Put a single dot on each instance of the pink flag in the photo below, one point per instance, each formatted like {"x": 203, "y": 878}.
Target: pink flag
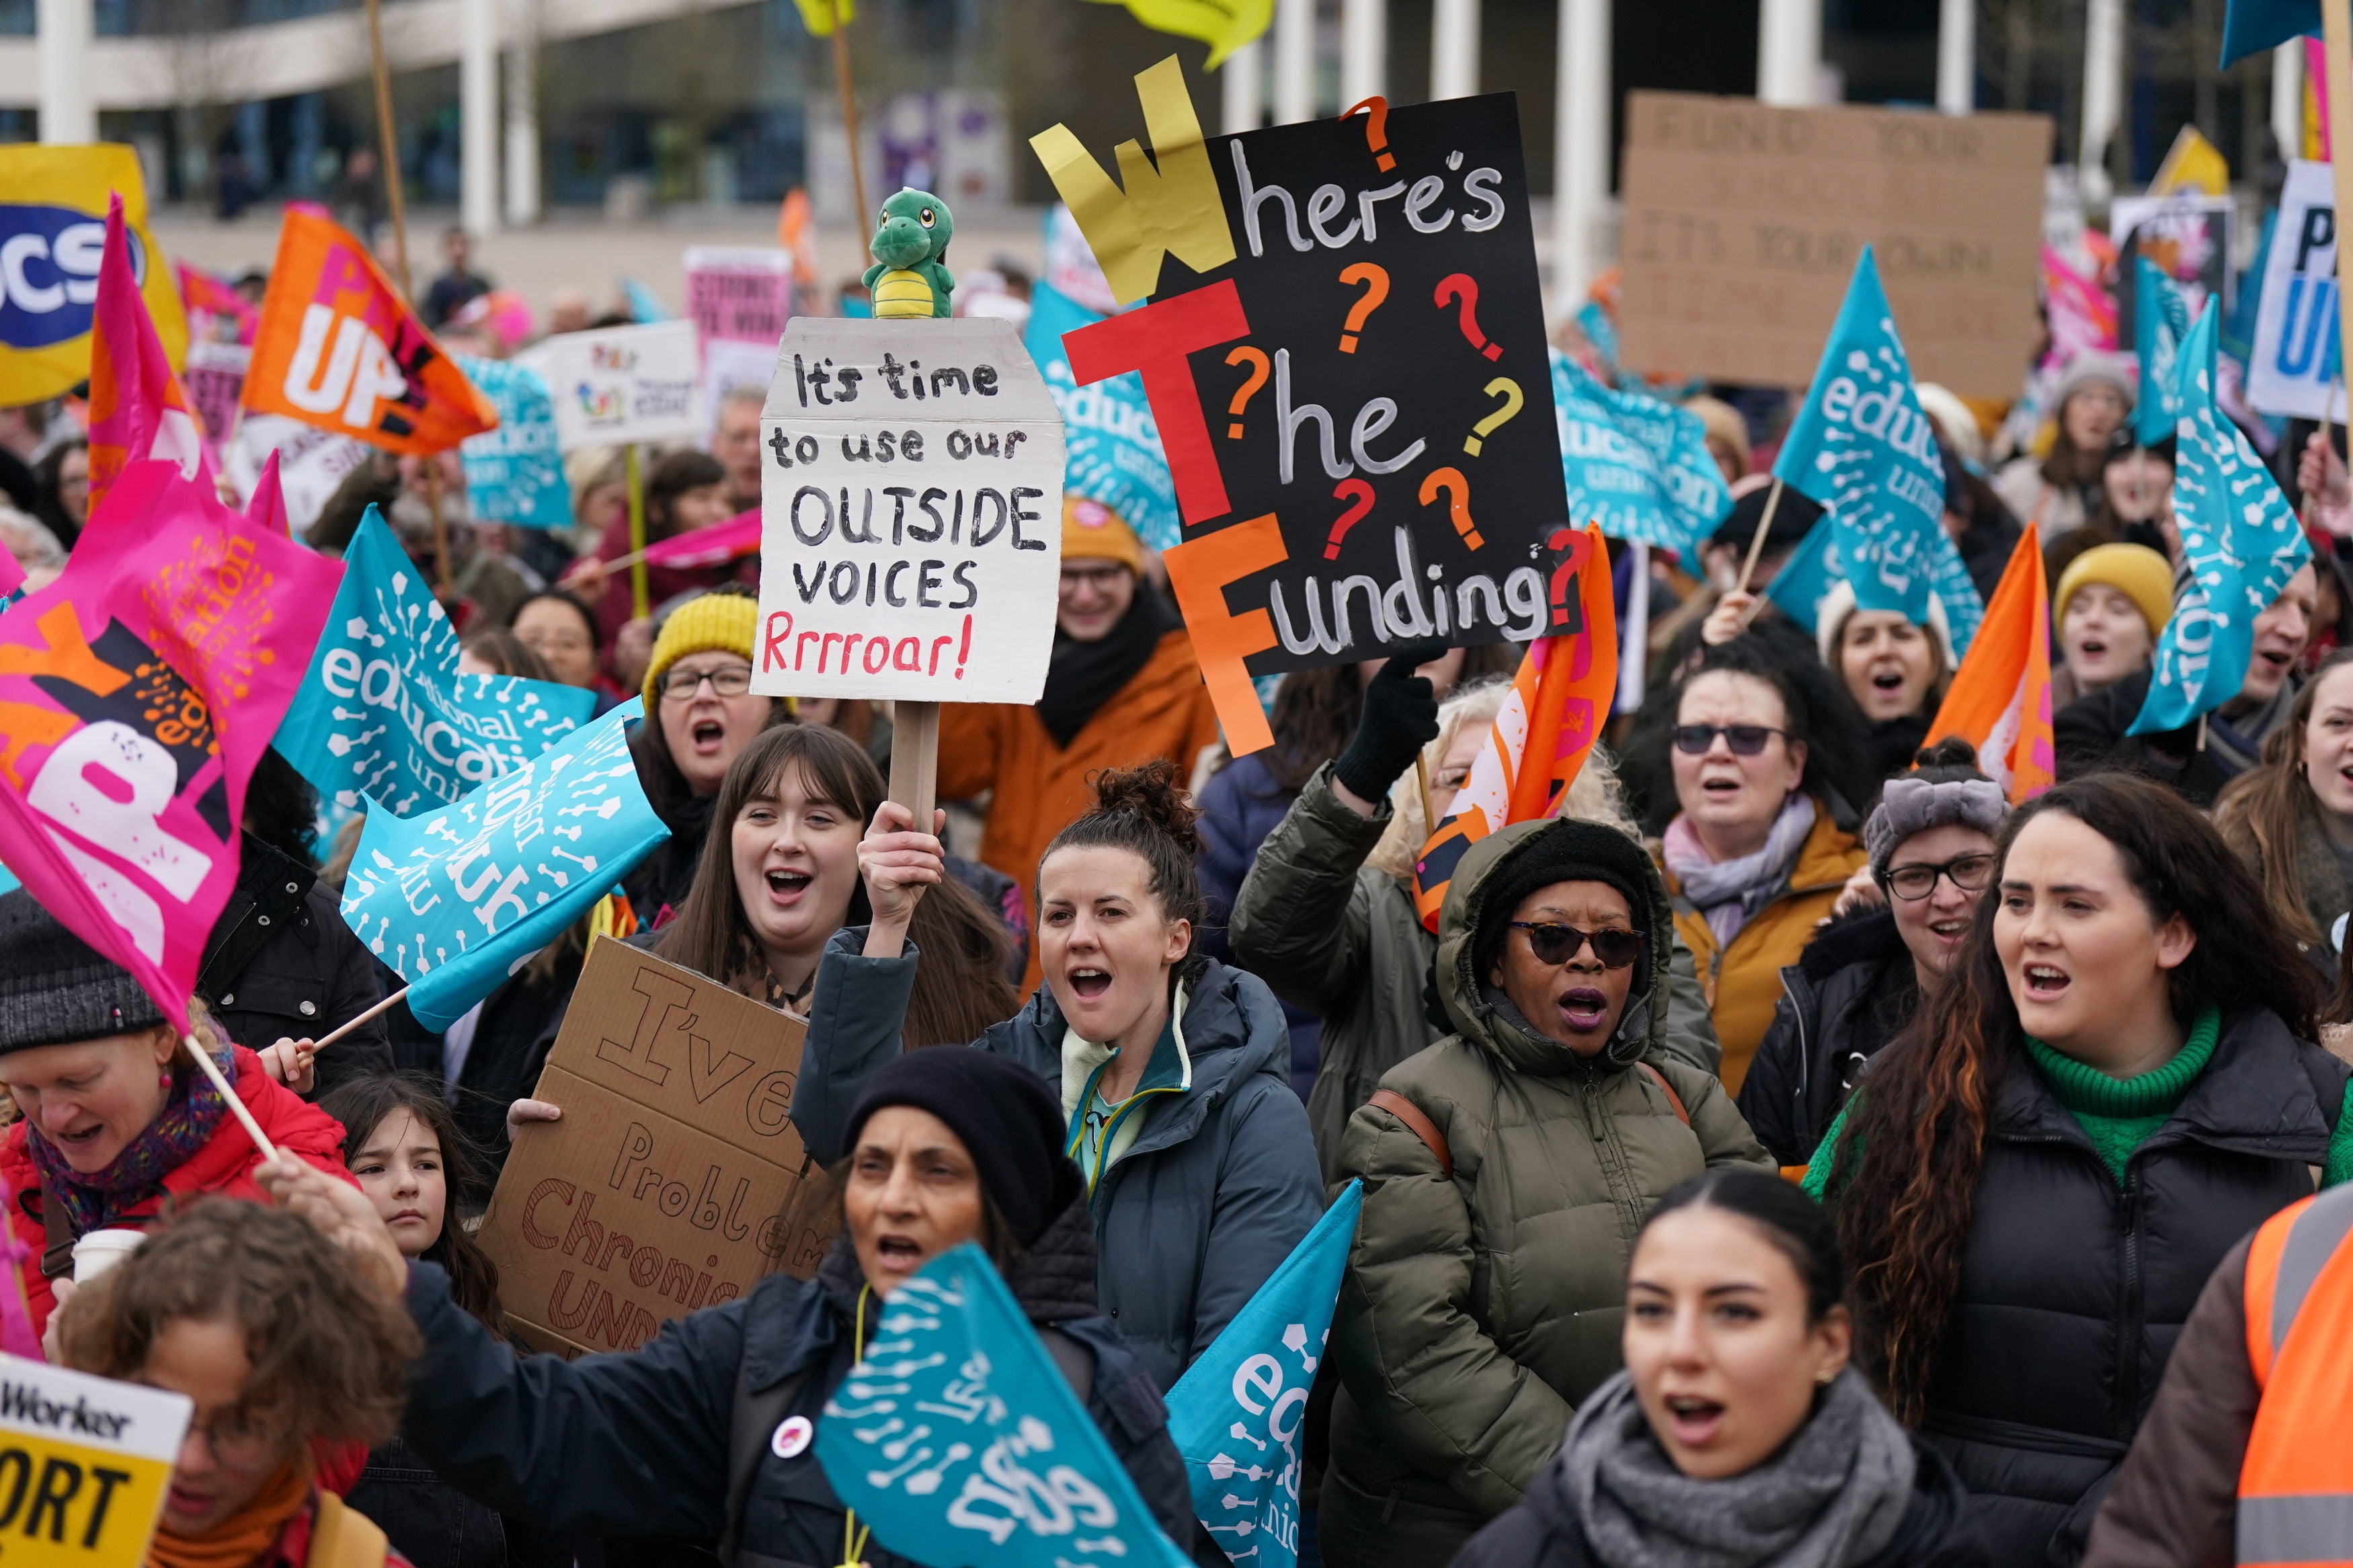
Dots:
{"x": 266, "y": 509}
{"x": 12, "y": 577}
{"x": 714, "y": 546}
{"x": 137, "y": 409}
{"x": 137, "y": 692}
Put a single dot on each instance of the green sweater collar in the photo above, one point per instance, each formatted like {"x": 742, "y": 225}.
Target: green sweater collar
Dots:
{"x": 2088, "y": 1092}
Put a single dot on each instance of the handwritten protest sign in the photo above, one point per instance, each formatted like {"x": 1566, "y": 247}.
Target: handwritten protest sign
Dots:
{"x": 2296, "y": 359}
{"x": 676, "y": 1178}
{"x": 739, "y": 294}
{"x": 515, "y": 473}
{"x": 912, "y": 511}
{"x": 622, "y": 385}
{"x": 1364, "y": 459}
{"x": 91, "y": 1458}
{"x": 1743, "y": 222}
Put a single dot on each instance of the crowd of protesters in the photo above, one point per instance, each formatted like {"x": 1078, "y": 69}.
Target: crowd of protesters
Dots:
{"x": 1789, "y": 1150}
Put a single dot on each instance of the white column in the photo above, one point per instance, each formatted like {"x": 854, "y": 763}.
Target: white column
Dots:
{"x": 1788, "y": 51}
{"x": 522, "y": 116}
{"x": 2287, "y": 97}
{"x": 1294, "y": 61}
{"x": 1957, "y": 56}
{"x": 1581, "y": 141}
{"x": 1454, "y": 48}
{"x": 1364, "y": 49}
{"x": 2103, "y": 62}
{"x": 69, "y": 109}
{"x": 478, "y": 116}
{"x": 1245, "y": 99}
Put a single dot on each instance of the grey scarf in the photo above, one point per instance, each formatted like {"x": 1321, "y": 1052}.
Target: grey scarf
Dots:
{"x": 1728, "y": 891}
{"x": 1831, "y": 1499}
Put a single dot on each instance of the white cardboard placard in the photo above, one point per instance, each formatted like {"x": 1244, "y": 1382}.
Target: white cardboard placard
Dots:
{"x": 2293, "y": 369}
{"x": 911, "y": 513}
{"x": 624, "y": 383}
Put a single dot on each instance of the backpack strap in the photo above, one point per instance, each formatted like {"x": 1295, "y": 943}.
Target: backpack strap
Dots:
{"x": 1667, "y": 1088}
{"x": 57, "y": 1236}
{"x": 751, "y": 1421}
{"x": 1421, "y": 1126}
{"x": 342, "y": 1537}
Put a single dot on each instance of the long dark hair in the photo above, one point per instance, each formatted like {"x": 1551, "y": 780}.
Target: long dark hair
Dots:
{"x": 2263, "y": 812}
{"x": 1146, "y": 811}
{"x": 1905, "y": 1176}
{"x": 961, "y": 985}
{"x": 1792, "y": 1222}
{"x": 361, "y": 1106}
{"x": 1817, "y": 711}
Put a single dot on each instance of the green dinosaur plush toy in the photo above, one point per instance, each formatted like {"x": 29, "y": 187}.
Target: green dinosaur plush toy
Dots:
{"x": 910, "y": 276}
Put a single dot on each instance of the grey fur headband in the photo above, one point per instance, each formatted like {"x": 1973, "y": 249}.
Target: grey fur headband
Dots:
{"x": 1910, "y": 805}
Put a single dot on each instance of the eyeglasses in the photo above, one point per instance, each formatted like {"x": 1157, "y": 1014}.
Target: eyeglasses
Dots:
{"x": 679, "y": 685}
{"x": 1968, "y": 873}
{"x": 233, "y": 1443}
{"x": 1556, "y": 944}
{"x": 1745, "y": 740}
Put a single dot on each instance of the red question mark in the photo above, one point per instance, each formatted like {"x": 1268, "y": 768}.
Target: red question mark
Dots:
{"x": 1462, "y": 286}
{"x": 1363, "y": 494}
{"x": 1578, "y": 546}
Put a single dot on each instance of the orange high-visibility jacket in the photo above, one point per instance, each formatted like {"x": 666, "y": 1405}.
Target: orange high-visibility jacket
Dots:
{"x": 2296, "y": 1488}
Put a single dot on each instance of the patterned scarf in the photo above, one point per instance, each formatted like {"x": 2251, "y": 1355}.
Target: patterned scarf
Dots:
{"x": 1728, "y": 891}
{"x": 184, "y": 1125}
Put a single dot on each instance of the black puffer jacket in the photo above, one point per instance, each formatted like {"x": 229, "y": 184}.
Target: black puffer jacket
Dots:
{"x": 2073, "y": 1288}
{"x": 1543, "y": 1530}
{"x": 637, "y": 1443}
{"x": 1849, "y": 993}
{"x": 281, "y": 965}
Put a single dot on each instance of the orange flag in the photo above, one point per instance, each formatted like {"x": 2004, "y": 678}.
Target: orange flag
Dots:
{"x": 2001, "y": 697}
{"x": 1558, "y": 702}
{"x": 337, "y": 348}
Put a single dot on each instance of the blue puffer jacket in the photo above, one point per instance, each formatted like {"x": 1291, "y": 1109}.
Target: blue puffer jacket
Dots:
{"x": 1241, "y": 804}
{"x": 1218, "y": 1186}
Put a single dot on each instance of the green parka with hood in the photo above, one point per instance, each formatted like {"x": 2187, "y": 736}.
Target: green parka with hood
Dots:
{"x": 1479, "y": 1308}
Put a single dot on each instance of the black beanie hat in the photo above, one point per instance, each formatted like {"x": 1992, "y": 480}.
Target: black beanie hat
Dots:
{"x": 1567, "y": 851}
{"x": 55, "y": 988}
{"x": 1009, "y": 1121}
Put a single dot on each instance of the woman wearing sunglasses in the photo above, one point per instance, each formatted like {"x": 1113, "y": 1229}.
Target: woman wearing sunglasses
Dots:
{"x": 1506, "y": 1170}
{"x": 1862, "y": 978}
{"x": 1755, "y": 855}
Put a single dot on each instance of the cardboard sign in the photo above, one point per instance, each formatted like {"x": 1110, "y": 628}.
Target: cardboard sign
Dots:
{"x": 91, "y": 1458}
{"x": 912, "y": 508}
{"x": 739, "y": 294}
{"x": 1743, "y": 223}
{"x": 622, "y": 385}
{"x": 2297, "y": 354}
{"x": 1351, "y": 389}
{"x": 671, "y": 1182}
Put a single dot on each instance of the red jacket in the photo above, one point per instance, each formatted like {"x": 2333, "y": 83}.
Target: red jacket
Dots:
{"x": 224, "y": 1164}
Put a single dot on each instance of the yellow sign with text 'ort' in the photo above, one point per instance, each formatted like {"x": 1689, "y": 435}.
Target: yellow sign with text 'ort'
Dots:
{"x": 83, "y": 1463}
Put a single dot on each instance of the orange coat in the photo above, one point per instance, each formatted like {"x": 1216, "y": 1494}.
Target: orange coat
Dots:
{"x": 1164, "y": 711}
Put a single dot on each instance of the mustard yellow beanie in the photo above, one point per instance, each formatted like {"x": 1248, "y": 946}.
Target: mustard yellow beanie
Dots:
{"x": 2135, "y": 571}
{"x": 717, "y": 622}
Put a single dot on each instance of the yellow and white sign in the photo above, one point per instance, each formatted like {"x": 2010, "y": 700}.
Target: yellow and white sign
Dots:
{"x": 83, "y": 1463}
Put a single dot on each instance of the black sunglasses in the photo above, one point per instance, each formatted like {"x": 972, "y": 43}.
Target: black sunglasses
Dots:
{"x": 1745, "y": 740}
{"x": 1970, "y": 874}
{"x": 1558, "y": 943}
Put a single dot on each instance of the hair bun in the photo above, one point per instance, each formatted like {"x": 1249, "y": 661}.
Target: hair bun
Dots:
{"x": 1155, "y": 792}
{"x": 1952, "y": 752}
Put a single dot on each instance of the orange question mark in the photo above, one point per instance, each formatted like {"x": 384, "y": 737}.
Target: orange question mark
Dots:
{"x": 1376, "y": 130}
{"x": 1363, "y": 499}
{"x": 1375, "y": 280}
{"x": 1457, "y": 490}
{"x": 1256, "y": 359}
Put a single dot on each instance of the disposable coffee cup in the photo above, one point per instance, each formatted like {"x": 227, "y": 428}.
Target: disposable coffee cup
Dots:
{"x": 100, "y": 1250}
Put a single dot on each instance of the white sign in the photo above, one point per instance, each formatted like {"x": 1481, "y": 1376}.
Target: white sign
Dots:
{"x": 102, "y": 1452}
{"x": 911, "y": 513}
{"x": 312, "y": 463}
{"x": 2296, "y": 355}
{"x": 622, "y": 385}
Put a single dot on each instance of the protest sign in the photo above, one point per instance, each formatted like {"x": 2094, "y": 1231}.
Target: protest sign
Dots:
{"x": 514, "y": 473}
{"x": 912, "y": 514}
{"x": 215, "y": 379}
{"x": 313, "y": 463}
{"x": 384, "y": 713}
{"x": 622, "y": 385}
{"x": 1364, "y": 459}
{"x": 1236, "y": 1414}
{"x": 1114, "y": 456}
{"x": 339, "y": 348}
{"x": 957, "y": 1438}
{"x": 53, "y": 234}
{"x": 676, "y": 1178}
{"x": 739, "y": 294}
{"x": 2187, "y": 235}
{"x": 91, "y": 1458}
{"x": 454, "y": 901}
{"x": 1742, "y": 223}
{"x": 2296, "y": 360}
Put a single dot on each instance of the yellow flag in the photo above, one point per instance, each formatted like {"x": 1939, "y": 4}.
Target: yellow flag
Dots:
{"x": 1225, "y": 27}
{"x": 2193, "y": 163}
{"x": 819, "y": 15}
{"x": 52, "y": 234}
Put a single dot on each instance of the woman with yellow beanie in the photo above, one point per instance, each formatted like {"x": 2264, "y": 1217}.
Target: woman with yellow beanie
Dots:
{"x": 2113, "y": 601}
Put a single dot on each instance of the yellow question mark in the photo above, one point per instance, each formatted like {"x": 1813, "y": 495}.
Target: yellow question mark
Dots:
{"x": 1509, "y": 390}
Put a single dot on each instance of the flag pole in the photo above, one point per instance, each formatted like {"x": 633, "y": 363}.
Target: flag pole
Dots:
{"x": 640, "y": 601}
{"x": 842, "y": 85}
{"x": 1764, "y": 523}
{"x": 211, "y": 1069}
{"x": 346, "y": 1027}
{"x": 1421, "y": 781}
{"x": 2336, "y": 53}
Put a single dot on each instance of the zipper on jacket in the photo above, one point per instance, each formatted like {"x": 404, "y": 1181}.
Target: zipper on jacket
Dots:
{"x": 2128, "y": 1318}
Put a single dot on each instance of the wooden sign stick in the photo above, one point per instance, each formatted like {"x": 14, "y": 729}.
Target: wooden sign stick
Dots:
{"x": 2337, "y": 52}
{"x": 1757, "y": 540}
{"x": 227, "y": 1092}
{"x": 346, "y": 1027}
{"x": 916, "y": 759}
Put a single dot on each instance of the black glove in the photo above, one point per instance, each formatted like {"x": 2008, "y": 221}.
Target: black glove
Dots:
{"x": 1401, "y": 717}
